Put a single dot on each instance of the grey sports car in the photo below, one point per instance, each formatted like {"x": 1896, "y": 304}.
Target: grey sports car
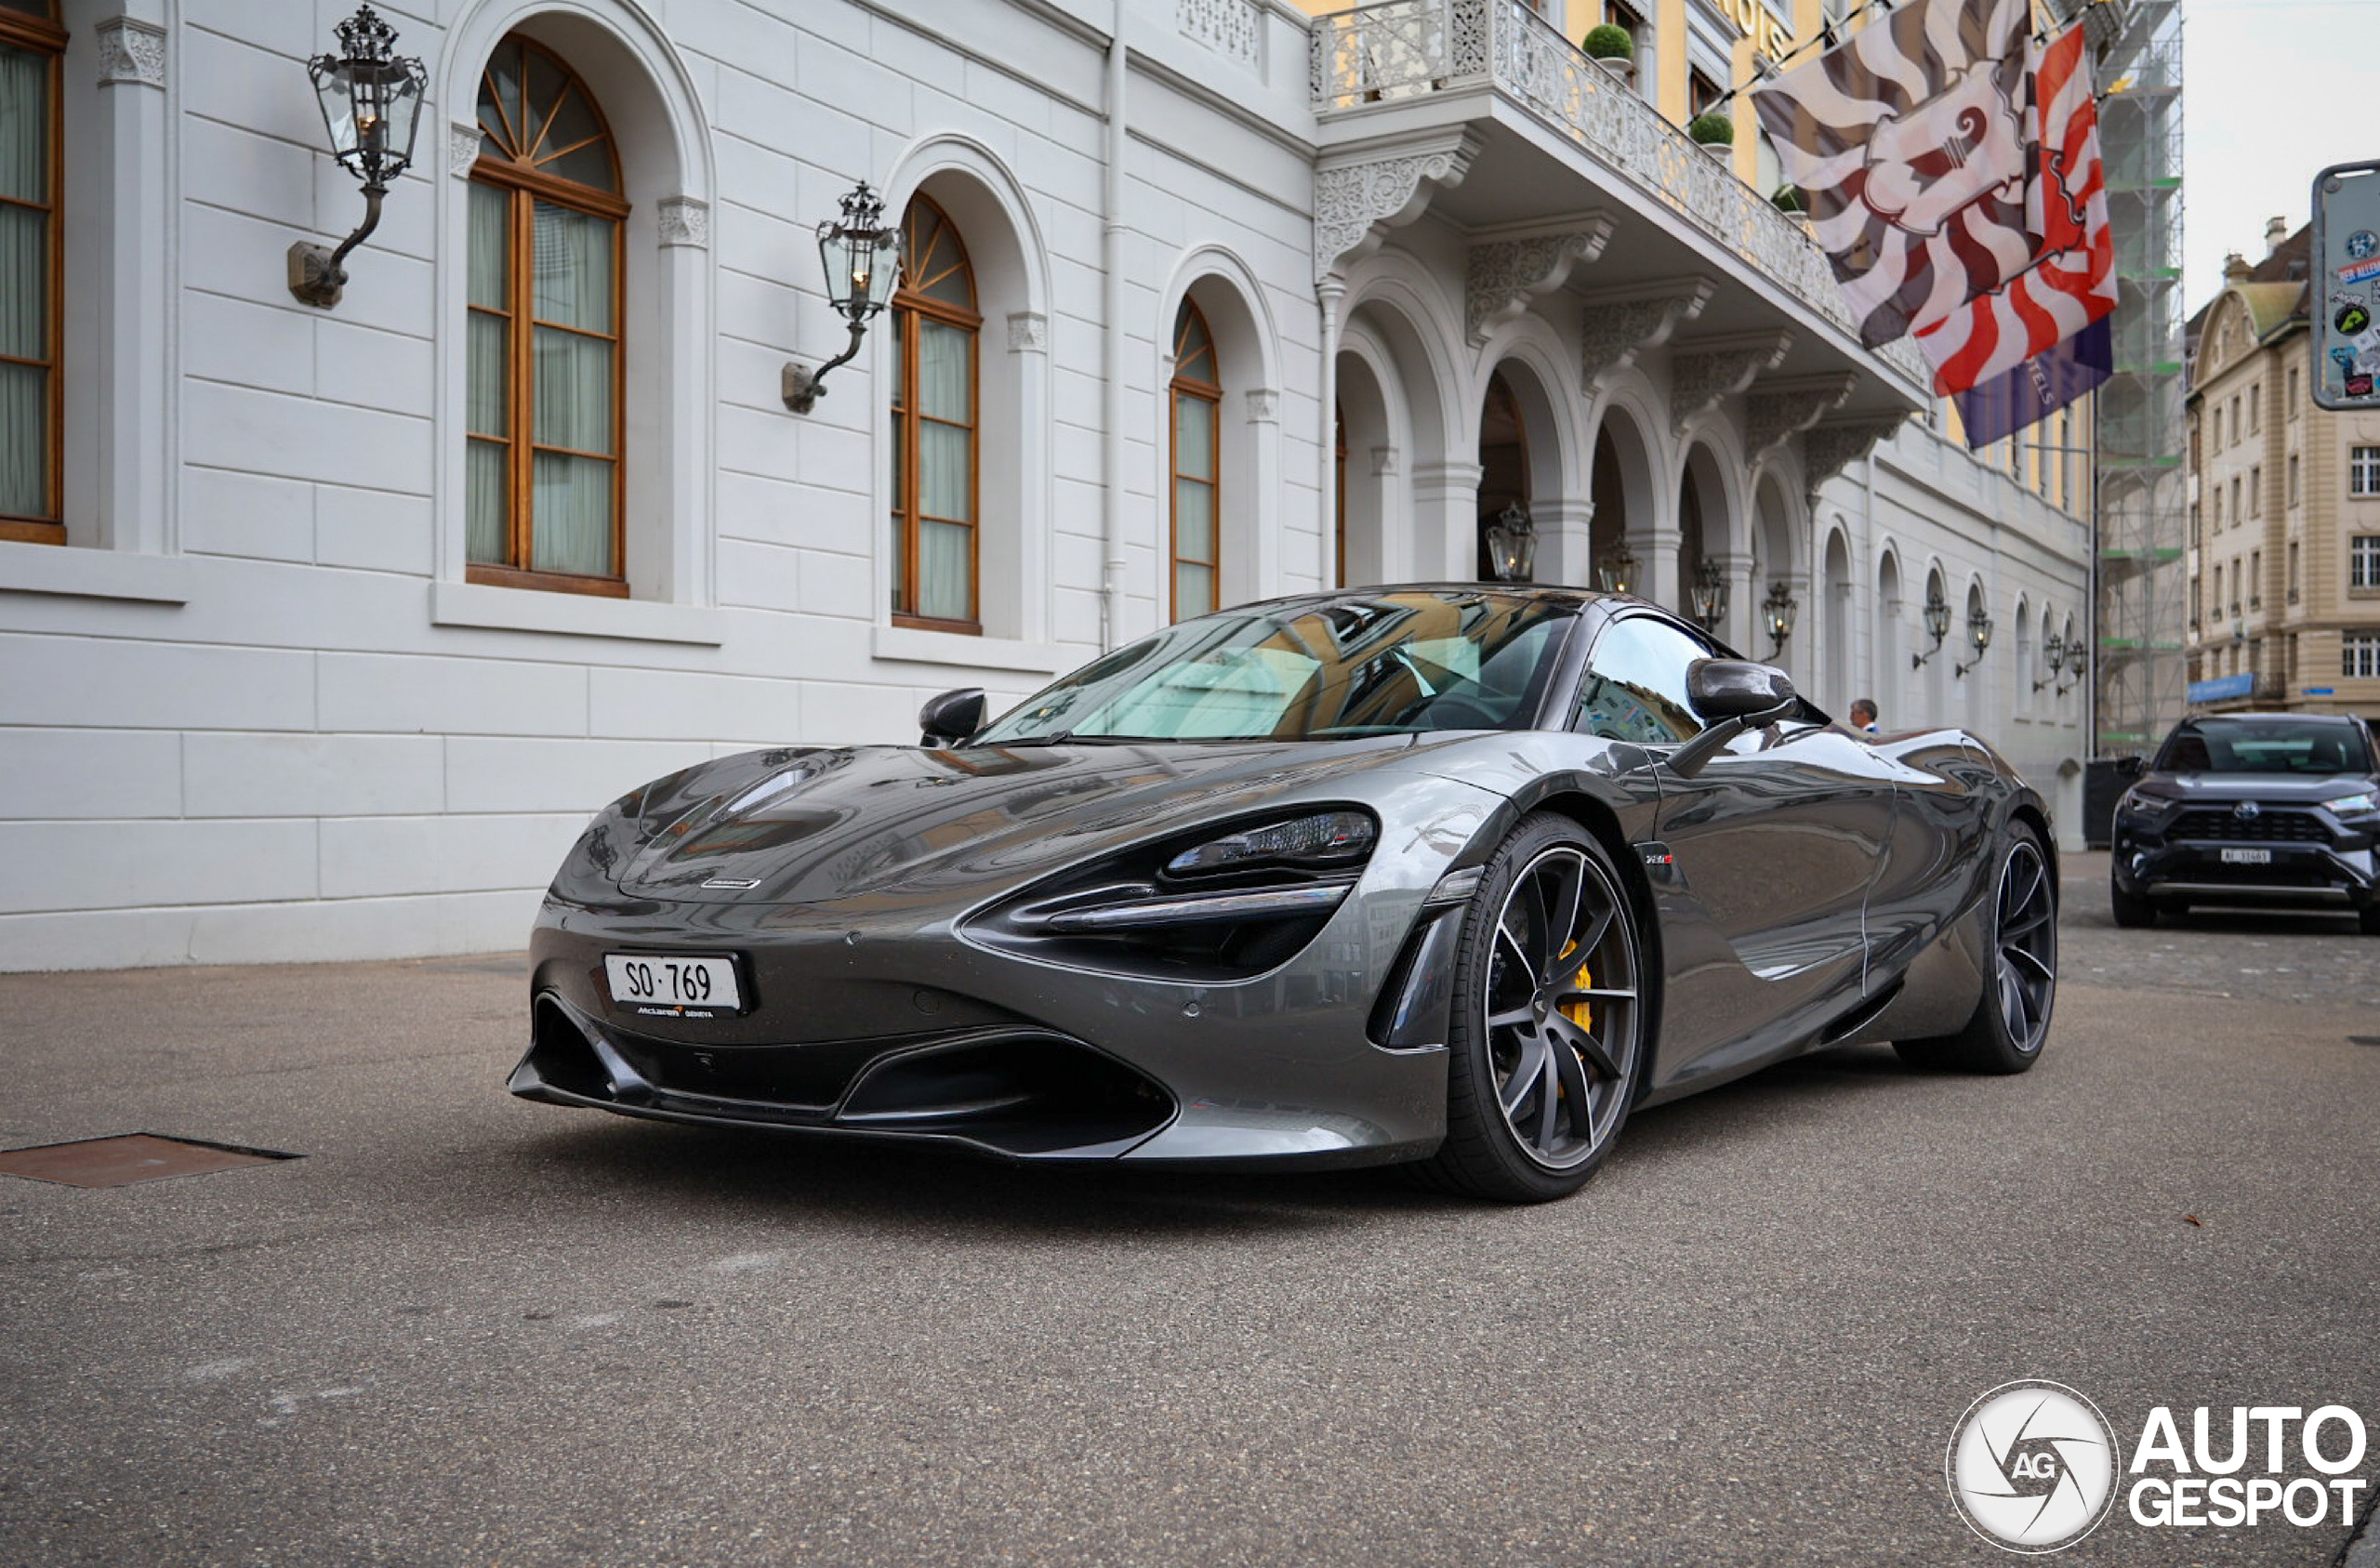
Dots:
{"x": 1453, "y": 874}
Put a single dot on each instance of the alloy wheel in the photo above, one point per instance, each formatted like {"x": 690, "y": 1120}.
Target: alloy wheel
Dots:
{"x": 2025, "y": 967}
{"x": 1560, "y": 1009}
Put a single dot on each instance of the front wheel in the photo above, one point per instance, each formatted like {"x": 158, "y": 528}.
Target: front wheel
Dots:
{"x": 1548, "y": 1023}
{"x": 2011, "y": 1018}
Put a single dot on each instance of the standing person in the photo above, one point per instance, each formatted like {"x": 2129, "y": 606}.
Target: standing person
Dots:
{"x": 1863, "y": 715}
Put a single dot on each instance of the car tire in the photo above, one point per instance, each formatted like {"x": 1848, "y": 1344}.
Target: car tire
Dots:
{"x": 1547, "y": 1035}
{"x": 2011, "y": 1018}
{"x": 2133, "y": 911}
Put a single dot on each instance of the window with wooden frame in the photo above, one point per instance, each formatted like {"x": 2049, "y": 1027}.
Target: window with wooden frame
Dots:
{"x": 543, "y": 482}
{"x": 32, "y": 288}
{"x": 1197, "y": 396}
{"x": 936, "y": 478}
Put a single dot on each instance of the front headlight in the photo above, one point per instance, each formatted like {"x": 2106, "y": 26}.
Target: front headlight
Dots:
{"x": 2148, "y": 806}
{"x": 1324, "y": 842}
{"x": 2354, "y": 805}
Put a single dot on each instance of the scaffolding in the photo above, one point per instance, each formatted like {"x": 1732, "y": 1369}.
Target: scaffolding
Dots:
{"x": 2142, "y": 497}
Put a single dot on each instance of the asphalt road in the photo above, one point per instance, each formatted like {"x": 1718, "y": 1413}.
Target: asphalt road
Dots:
{"x": 465, "y": 1329}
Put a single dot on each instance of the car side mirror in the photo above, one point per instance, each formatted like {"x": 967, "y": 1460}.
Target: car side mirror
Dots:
{"x": 951, "y": 717}
{"x": 1733, "y": 695}
{"x": 1737, "y": 689}
{"x": 2130, "y": 767}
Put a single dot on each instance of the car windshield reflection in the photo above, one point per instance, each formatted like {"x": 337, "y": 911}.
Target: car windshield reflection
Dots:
{"x": 2258, "y": 745}
{"x": 1404, "y": 662}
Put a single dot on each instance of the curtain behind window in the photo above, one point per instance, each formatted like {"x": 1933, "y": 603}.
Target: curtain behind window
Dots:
{"x": 946, "y": 471}
{"x": 572, "y": 290}
{"x": 25, "y": 282}
{"x": 487, "y": 375}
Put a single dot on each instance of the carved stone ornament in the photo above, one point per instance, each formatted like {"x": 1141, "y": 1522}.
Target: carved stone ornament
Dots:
{"x": 1354, "y": 201}
{"x": 685, "y": 220}
{"x": 1263, "y": 403}
{"x": 1504, "y": 275}
{"x": 1616, "y": 326}
{"x": 1782, "y": 408}
{"x": 1826, "y": 450}
{"x": 1234, "y": 29}
{"x": 1027, "y": 330}
{"x": 1385, "y": 460}
{"x": 1711, "y": 368}
{"x": 131, "y": 53}
{"x": 462, "y": 148}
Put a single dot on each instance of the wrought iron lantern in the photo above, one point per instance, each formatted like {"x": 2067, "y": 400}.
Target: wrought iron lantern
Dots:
{"x": 2053, "y": 656}
{"x": 371, "y": 103}
{"x": 2078, "y": 661}
{"x": 1710, "y": 594}
{"x": 1777, "y": 612}
{"x": 1937, "y": 625}
{"x": 1512, "y": 545}
{"x": 1980, "y": 634}
{"x": 1616, "y": 572}
{"x": 861, "y": 254}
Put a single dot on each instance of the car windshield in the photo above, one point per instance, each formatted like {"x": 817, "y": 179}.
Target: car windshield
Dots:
{"x": 2260, "y": 745}
{"x": 1403, "y": 662}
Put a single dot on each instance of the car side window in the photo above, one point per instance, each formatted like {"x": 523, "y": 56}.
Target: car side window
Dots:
{"x": 1635, "y": 684}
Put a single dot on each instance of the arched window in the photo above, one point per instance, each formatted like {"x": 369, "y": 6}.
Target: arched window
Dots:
{"x": 935, "y": 328}
{"x": 1196, "y": 395}
{"x": 31, "y": 43}
{"x": 543, "y": 484}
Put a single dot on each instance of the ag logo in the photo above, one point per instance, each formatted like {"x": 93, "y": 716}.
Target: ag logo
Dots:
{"x": 2032, "y": 1467}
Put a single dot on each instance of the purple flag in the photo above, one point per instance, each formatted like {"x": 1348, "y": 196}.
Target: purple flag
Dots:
{"x": 2038, "y": 388}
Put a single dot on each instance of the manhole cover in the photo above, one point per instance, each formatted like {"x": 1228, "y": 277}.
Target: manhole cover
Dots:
{"x": 135, "y": 1156}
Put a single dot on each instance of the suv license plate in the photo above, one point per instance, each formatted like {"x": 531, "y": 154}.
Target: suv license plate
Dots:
{"x": 2247, "y": 857}
{"x": 671, "y": 985}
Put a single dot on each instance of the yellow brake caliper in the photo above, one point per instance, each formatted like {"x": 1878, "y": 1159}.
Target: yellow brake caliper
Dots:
{"x": 1581, "y": 1012}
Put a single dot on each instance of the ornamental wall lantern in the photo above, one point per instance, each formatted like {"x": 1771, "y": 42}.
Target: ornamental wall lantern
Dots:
{"x": 1978, "y": 633}
{"x": 1937, "y": 625}
{"x": 1709, "y": 596}
{"x": 861, "y": 258}
{"x": 2078, "y": 659}
{"x": 1616, "y": 572}
{"x": 371, "y": 103}
{"x": 1777, "y": 612}
{"x": 1512, "y": 545}
{"x": 2053, "y": 655}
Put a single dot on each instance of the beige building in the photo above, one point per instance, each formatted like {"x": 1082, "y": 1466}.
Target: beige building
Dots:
{"x": 2284, "y": 557}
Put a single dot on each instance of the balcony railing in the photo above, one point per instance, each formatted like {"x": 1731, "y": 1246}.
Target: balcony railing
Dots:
{"x": 1405, "y": 49}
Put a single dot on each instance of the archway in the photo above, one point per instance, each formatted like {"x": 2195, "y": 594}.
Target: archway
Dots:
{"x": 1834, "y": 629}
{"x": 1620, "y": 486}
{"x": 1503, "y": 463}
{"x": 1887, "y": 679}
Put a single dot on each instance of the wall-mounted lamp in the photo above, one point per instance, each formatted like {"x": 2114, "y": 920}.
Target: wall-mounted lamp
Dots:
{"x": 1616, "y": 572}
{"x": 2078, "y": 661}
{"x": 2053, "y": 654}
{"x": 862, "y": 262}
{"x": 1512, "y": 545}
{"x": 1777, "y": 612}
{"x": 1978, "y": 633}
{"x": 371, "y": 101}
{"x": 1708, "y": 595}
{"x": 1938, "y": 624}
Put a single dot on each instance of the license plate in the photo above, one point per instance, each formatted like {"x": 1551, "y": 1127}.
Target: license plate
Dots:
{"x": 671, "y": 985}
{"x": 2247, "y": 857}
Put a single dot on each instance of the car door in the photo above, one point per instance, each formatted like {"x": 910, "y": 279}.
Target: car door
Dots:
{"x": 1770, "y": 845}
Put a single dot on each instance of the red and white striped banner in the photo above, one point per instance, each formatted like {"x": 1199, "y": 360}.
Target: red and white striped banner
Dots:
{"x": 2074, "y": 282}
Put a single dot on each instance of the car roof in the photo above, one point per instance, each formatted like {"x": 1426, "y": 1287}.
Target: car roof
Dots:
{"x": 2296, "y": 717}
{"x": 1558, "y": 593}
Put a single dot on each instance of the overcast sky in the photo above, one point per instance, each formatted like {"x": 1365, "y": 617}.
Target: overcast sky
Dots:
{"x": 2272, "y": 90}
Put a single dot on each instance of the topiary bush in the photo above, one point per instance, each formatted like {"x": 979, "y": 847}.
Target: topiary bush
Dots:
{"x": 1712, "y": 129}
{"x": 1607, "y": 42}
{"x": 1788, "y": 199}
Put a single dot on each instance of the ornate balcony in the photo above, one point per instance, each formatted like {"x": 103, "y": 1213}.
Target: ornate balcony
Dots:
{"x": 1380, "y": 74}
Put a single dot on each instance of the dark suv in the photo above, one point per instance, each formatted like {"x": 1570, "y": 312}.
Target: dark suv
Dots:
{"x": 2252, "y": 808}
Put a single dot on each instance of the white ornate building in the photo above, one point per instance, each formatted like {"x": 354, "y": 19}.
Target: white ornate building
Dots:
{"x": 321, "y": 630}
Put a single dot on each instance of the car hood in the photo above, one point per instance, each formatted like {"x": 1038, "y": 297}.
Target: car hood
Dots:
{"x": 817, "y": 825}
{"x": 2264, "y": 788}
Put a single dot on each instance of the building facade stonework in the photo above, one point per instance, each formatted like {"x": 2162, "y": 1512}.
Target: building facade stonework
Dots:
{"x": 327, "y": 627}
{"x": 2284, "y": 558}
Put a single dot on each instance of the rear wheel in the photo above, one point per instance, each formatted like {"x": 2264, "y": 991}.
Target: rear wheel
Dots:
{"x": 2131, "y": 910}
{"x": 1548, "y": 1026}
{"x": 2011, "y": 1018}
